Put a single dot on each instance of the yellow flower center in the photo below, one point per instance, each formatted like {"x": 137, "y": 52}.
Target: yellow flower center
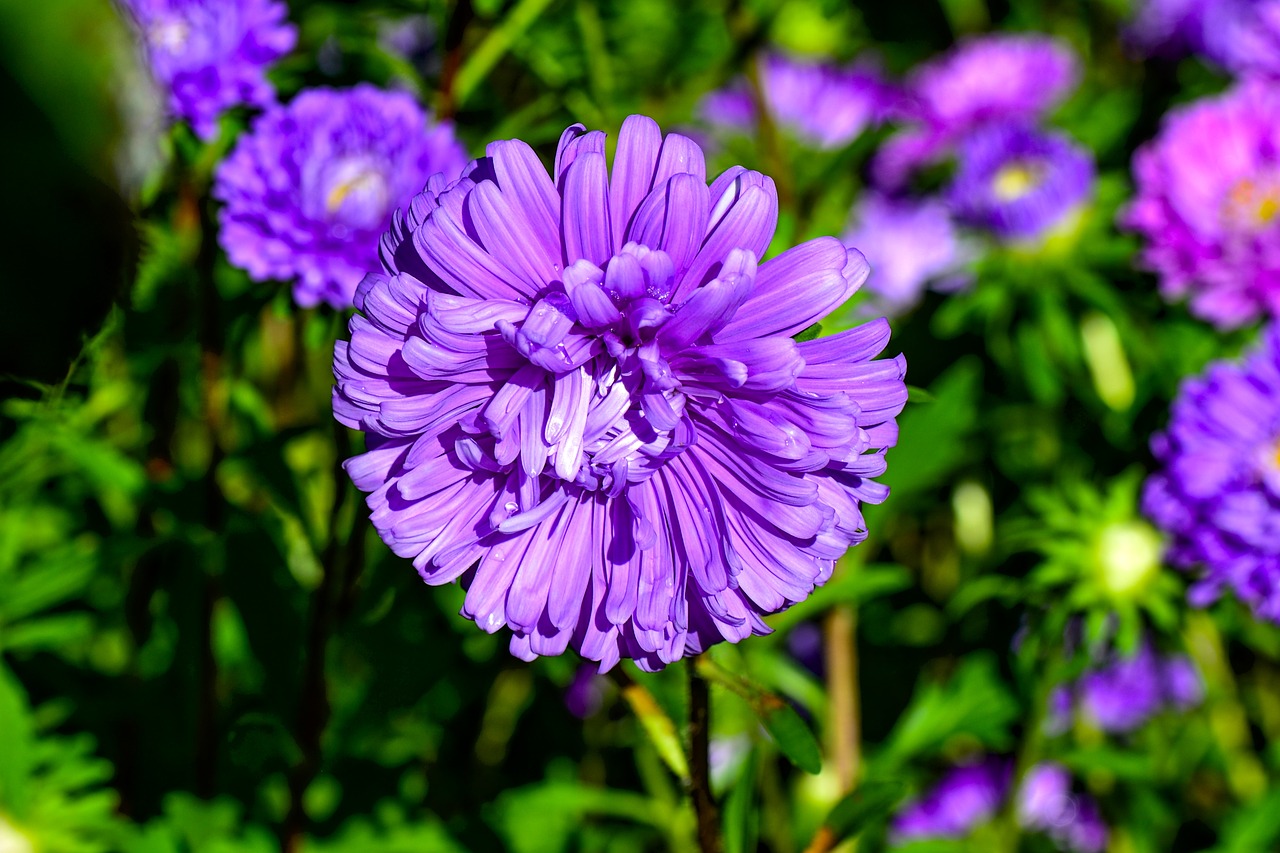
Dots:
{"x": 1128, "y": 557}
{"x": 367, "y": 180}
{"x": 1017, "y": 179}
{"x": 1254, "y": 204}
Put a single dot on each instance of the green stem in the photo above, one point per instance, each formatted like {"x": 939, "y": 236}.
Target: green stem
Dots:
{"x": 704, "y": 804}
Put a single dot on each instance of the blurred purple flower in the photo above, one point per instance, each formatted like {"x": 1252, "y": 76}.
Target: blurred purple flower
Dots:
{"x": 824, "y": 105}
{"x": 909, "y": 244}
{"x": 310, "y": 188}
{"x": 1019, "y": 182}
{"x": 805, "y": 644}
{"x": 584, "y": 400}
{"x": 1208, "y": 205}
{"x": 1217, "y": 493}
{"x": 585, "y": 693}
{"x": 1046, "y": 804}
{"x": 1183, "y": 687}
{"x": 1243, "y": 36}
{"x": 1168, "y": 27}
{"x": 996, "y": 78}
{"x": 211, "y": 55}
{"x": 1124, "y": 694}
{"x": 964, "y": 798}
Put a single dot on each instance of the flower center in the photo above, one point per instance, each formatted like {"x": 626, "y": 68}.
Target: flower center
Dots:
{"x": 357, "y": 194}
{"x": 1128, "y": 555}
{"x": 1253, "y": 204}
{"x": 169, "y": 34}
{"x": 1018, "y": 179}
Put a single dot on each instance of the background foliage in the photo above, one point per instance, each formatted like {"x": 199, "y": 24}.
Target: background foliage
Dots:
{"x": 203, "y": 648}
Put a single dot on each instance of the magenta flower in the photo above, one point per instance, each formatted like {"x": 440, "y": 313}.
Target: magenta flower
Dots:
{"x": 823, "y": 105}
{"x": 1047, "y": 804}
{"x": 1208, "y": 205}
{"x": 310, "y": 188}
{"x": 211, "y": 55}
{"x": 998, "y": 78}
{"x": 1217, "y": 493}
{"x": 584, "y": 400}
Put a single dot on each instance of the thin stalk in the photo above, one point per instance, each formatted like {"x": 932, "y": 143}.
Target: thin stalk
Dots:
{"x": 704, "y": 805}
{"x": 844, "y": 707}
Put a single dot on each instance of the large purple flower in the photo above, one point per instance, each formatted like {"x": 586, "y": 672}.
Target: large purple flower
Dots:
{"x": 964, "y": 798}
{"x": 309, "y": 190}
{"x": 1208, "y": 205}
{"x": 1019, "y": 182}
{"x": 824, "y": 105}
{"x": 584, "y": 400}
{"x": 996, "y": 78}
{"x": 909, "y": 244}
{"x": 211, "y": 55}
{"x": 1217, "y": 494}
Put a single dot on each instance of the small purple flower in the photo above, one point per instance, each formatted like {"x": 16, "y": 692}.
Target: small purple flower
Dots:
{"x": 1046, "y": 804}
{"x": 805, "y": 644}
{"x": 909, "y": 244}
{"x": 966, "y": 797}
{"x": 1019, "y": 182}
{"x": 585, "y": 694}
{"x": 1183, "y": 687}
{"x": 996, "y": 78}
{"x": 310, "y": 188}
{"x": 1208, "y": 205}
{"x": 824, "y": 105}
{"x": 211, "y": 55}
{"x": 1124, "y": 694}
{"x": 1168, "y": 27}
{"x": 1217, "y": 493}
{"x": 584, "y": 399}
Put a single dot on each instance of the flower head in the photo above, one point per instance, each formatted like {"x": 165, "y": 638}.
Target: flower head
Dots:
{"x": 1217, "y": 494}
{"x": 1208, "y": 205}
{"x": 1168, "y": 27}
{"x": 310, "y": 188}
{"x": 824, "y": 105}
{"x": 909, "y": 244}
{"x": 1244, "y": 37}
{"x": 993, "y": 79}
{"x": 1045, "y": 803}
{"x": 1019, "y": 182}
{"x": 964, "y": 798}
{"x": 211, "y": 55}
{"x": 583, "y": 399}
{"x": 1128, "y": 691}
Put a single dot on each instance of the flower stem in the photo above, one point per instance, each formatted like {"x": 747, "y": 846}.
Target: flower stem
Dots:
{"x": 844, "y": 708}
{"x": 704, "y": 805}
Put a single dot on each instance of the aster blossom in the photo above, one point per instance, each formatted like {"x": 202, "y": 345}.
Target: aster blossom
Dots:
{"x": 1208, "y": 205}
{"x": 997, "y": 78}
{"x": 583, "y": 399}
{"x": 1125, "y": 692}
{"x": 822, "y": 104}
{"x": 211, "y": 55}
{"x": 1168, "y": 27}
{"x": 1217, "y": 493}
{"x": 309, "y": 190}
{"x": 1045, "y": 803}
{"x": 967, "y": 796}
{"x": 1243, "y": 36}
{"x": 1019, "y": 182}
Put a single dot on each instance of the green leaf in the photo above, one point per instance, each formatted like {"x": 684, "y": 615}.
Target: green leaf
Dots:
{"x": 16, "y": 742}
{"x": 871, "y": 802}
{"x": 780, "y": 720}
{"x": 740, "y": 819}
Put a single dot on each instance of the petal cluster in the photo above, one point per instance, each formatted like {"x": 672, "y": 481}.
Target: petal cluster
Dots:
{"x": 1208, "y": 205}
{"x": 211, "y": 55}
{"x": 1047, "y": 804}
{"x": 1217, "y": 493}
{"x": 967, "y": 796}
{"x": 584, "y": 400}
{"x": 1125, "y": 692}
{"x": 309, "y": 190}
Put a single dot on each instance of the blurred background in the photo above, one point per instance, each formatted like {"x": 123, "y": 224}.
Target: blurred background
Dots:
{"x": 204, "y": 648}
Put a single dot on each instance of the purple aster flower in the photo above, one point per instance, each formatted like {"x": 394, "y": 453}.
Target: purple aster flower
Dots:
{"x": 1208, "y": 205}
{"x": 1046, "y": 804}
{"x": 1183, "y": 687}
{"x": 584, "y": 401}
{"x": 310, "y": 188}
{"x": 909, "y": 243}
{"x": 966, "y": 797}
{"x": 211, "y": 55}
{"x": 824, "y": 105}
{"x": 1019, "y": 182}
{"x": 995, "y": 78}
{"x": 1124, "y": 694}
{"x": 1168, "y": 27}
{"x": 1217, "y": 494}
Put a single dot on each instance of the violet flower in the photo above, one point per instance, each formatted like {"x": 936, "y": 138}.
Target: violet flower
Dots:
{"x": 1208, "y": 205}
{"x": 823, "y": 105}
{"x": 211, "y": 55}
{"x": 1217, "y": 493}
{"x": 1047, "y": 804}
{"x": 310, "y": 188}
{"x": 584, "y": 399}
{"x": 964, "y": 798}
{"x": 1020, "y": 183}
